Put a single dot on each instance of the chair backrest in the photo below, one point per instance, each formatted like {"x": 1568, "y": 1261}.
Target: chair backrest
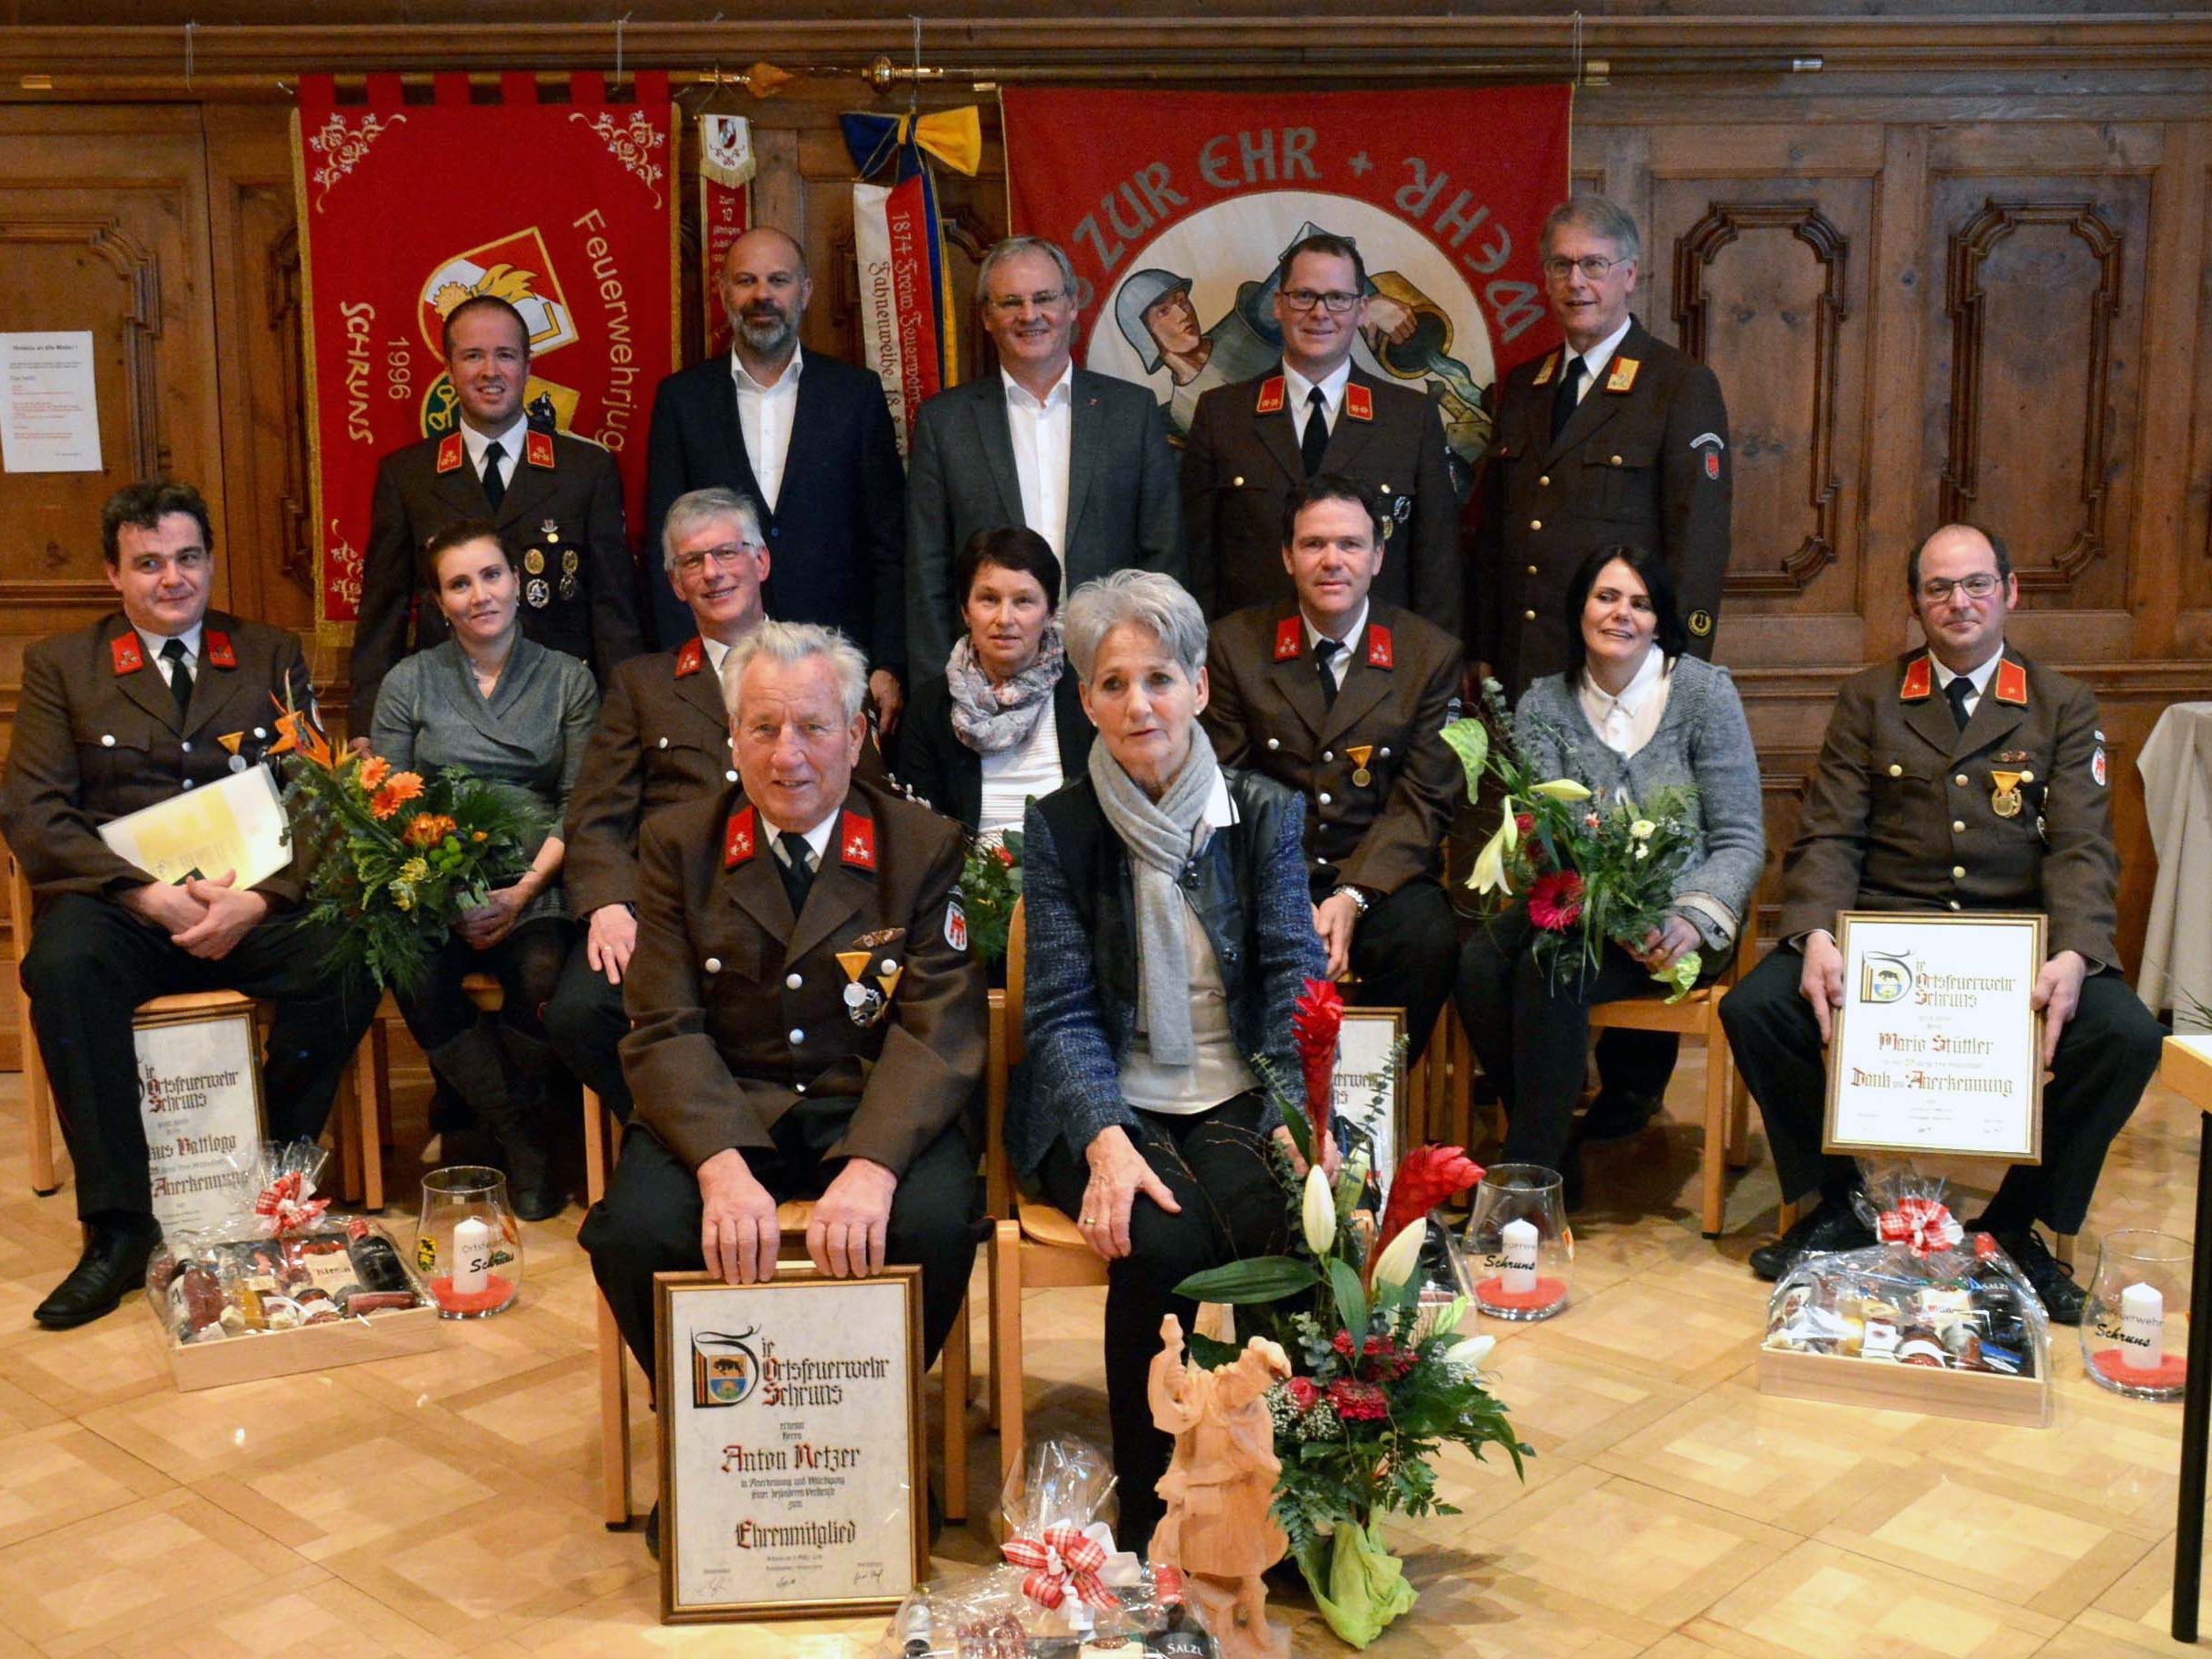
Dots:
{"x": 998, "y": 1174}
{"x": 18, "y": 902}
{"x": 1017, "y": 974}
{"x": 1747, "y": 944}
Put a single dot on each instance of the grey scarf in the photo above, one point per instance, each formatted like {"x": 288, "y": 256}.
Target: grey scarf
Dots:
{"x": 987, "y": 717}
{"x": 1163, "y": 837}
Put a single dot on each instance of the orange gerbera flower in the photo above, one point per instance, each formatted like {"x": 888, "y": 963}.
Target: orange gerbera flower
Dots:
{"x": 403, "y": 787}
{"x": 373, "y": 771}
{"x": 427, "y": 829}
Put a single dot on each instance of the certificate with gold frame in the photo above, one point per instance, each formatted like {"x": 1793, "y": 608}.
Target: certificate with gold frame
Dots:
{"x": 790, "y": 1439}
{"x": 1937, "y": 1049}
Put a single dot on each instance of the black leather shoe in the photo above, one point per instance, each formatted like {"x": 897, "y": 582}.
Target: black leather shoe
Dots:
{"x": 2053, "y": 1281}
{"x": 113, "y": 1266}
{"x": 1834, "y": 1226}
{"x": 1616, "y": 1115}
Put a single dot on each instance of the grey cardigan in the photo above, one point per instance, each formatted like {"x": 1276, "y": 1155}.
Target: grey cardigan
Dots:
{"x": 1701, "y": 742}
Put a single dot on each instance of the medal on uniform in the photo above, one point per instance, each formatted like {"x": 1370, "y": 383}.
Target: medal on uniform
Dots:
{"x": 864, "y": 1003}
{"x": 2004, "y": 798}
{"x": 1362, "y": 776}
{"x": 551, "y": 530}
{"x": 568, "y": 561}
{"x": 534, "y": 561}
{"x": 538, "y": 595}
{"x": 571, "y": 588}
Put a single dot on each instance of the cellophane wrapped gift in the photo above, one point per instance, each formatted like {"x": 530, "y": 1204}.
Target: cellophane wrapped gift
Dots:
{"x": 282, "y": 1262}
{"x": 1064, "y": 1591}
{"x": 1926, "y": 1293}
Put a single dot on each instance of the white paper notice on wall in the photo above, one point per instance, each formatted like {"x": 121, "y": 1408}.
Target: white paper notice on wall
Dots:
{"x": 49, "y": 412}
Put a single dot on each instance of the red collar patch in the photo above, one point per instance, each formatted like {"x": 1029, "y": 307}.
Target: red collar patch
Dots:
{"x": 2011, "y": 683}
{"x": 1358, "y": 403}
{"x": 219, "y": 649}
{"x": 1378, "y": 646}
{"x": 1289, "y": 640}
{"x": 738, "y": 841}
{"x": 856, "y": 840}
{"x": 1271, "y": 396}
{"x": 1919, "y": 680}
{"x": 537, "y": 449}
{"x": 450, "y": 453}
{"x": 125, "y": 649}
{"x": 691, "y": 659}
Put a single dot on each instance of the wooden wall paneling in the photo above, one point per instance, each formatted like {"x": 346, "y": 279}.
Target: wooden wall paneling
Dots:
{"x": 1901, "y": 263}
{"x": 2174, "y": 271}
{"x": 2185, "y": 296}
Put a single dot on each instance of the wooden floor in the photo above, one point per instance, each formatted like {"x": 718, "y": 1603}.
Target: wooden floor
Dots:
{"x": 447, "y": 1504}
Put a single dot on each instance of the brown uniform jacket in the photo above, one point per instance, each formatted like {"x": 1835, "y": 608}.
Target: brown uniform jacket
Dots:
{"x": 1241, "y": 464}
{"x": 97, "y": 736}
{"x": 571, "y": 509}
{"x": 1907, "y": 811}
{"x": 1264, "y": 713}
{"x": 737, "y": 1010}
{"x": 1643, "y": 460}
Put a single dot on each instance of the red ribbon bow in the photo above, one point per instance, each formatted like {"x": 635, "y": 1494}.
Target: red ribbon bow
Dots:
{"x": 1062, "y": 1560}
{"x": 1922, "y": 1225}
{"x": 283, "y": 1207}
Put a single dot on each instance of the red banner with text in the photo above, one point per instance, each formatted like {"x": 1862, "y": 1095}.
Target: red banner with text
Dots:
{"x": 1175, "y": 211}
{"x": 567, "y": 210}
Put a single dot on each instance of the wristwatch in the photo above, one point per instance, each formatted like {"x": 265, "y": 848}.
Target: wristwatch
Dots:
{"x": 1359, "y": 900}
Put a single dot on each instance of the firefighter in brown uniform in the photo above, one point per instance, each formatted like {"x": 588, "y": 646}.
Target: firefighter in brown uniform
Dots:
{"x": 1342, "y": 698}
{"x": 1959, "y": 779}
{"x": 807, "y": 1021}
{"x": 558, "y": 502}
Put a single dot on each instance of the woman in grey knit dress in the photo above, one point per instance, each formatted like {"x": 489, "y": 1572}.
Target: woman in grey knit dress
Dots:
{"x": 1630, "y": 716}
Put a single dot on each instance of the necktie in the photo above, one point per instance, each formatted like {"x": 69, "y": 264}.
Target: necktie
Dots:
{"x": 1568, "y": 397}
{"x": 1315, "y": 444}
{"x": 1958, "y": 690}
{"x": 797, "y": 868}
{"x": 180, "y": 681}
{"x": 495, "y": 487}
{"x": 1323, "y": 649}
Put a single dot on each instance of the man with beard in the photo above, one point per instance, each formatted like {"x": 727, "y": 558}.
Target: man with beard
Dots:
{"x": 809, "y": 441}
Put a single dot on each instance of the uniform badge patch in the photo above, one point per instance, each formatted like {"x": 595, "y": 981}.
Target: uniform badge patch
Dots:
{"x": 2097, "y": 765}
{"x": 450, "y": 454}
{"x": 1286, "y": 639}
{"x": 537, "y": 449}
{"x": 1699, "y": 622}
{"x": 1271, "y": 396}
{"x": 737, "y": 838}
{"x": 1712, "y": 465}
{"x": 219, "y": 652}
{"x": 856, "y": 840}
{"x": 536, "y": 593}
{"x": 1378, "y": 646}
{"x": 956, "y": 922}
{"x": 124, "y": 649}
{"x": 1543, "y": 375}
{"x": 2005, "y": 793}
{"x": 1358, "y": 403}
{"x": 1623, "y": 376}
{"x": 691, "y": 659}
{"x": 534, "y": 561}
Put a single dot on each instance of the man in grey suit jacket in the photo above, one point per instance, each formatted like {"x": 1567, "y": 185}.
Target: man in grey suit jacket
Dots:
{"x": 1081, "y": 458}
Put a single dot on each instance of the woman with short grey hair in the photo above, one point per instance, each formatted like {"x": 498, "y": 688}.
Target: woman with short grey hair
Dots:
{"x": 1159, "y": 604}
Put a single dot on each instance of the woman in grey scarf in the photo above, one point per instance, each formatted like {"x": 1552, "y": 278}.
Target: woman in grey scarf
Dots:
{"x": 1170, "y": 932}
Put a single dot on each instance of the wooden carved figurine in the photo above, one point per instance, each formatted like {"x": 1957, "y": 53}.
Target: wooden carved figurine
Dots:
{"x": 1218, "y": 1487}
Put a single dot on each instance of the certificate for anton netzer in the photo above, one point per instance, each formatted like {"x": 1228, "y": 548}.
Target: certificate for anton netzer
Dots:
{"x": 1936, "y": 1048}
{"x": 791, "y": 1467}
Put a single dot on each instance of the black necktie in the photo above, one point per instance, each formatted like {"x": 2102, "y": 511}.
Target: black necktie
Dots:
{"x": 1958, "y": 690}
{"x": 1565, "y": 400}
{"x": 1323, "y": 650}
{"x": 495, "y": 487}
{"x": 797, "y": 868}
{"x": 1315, "y": 444}
{"x": 180, "y": 681}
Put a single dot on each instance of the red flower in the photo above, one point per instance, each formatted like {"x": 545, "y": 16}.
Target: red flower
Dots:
{"x": 1314, "y": 1019}
{"x": 1525, "y": 822}
{"x": 1428, "y": 1176}
{"x": 1359, "y": 1401}
{"x": 1302, "y": 1392}
{"x": 1005, "y": 856}
{"x": 1341, "y": 1342}
{"x": 1555, "y": 903}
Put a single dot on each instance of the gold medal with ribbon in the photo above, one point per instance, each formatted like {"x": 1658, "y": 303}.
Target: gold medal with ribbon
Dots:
{"x": 1362, "y": 776}
{"x": 862, "y": 1003}
{"x": 2004, "y": 797}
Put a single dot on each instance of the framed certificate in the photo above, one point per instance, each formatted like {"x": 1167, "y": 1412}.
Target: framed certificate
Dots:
{"x": 790, "y": 1428}
{"x": 1936, "y": 1049}
{"x": 1370, "y": 1094}
{"x": 199, "y": 1097}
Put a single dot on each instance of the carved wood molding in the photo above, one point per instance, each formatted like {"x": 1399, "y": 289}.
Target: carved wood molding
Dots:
{"x": 1695, "y": 250}
{"x": 282, "y": 315}
{"x": 141, "y": 275}
{"x": 1966, "y": 301}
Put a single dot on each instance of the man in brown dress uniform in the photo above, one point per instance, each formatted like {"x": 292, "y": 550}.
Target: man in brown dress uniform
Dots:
{"x": 808, "y": 1022}
{"x": 1960, "y": 777}
{"x": 1342, "y": 698}
{"x": 165, "y": 696}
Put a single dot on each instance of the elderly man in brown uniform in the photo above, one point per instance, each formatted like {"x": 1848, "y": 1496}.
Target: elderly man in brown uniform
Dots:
{"x": 806, "y": 1019}
{"x": 1342, "y": 698}
{"x": 1255, "y": 443}
{"x": 663, "y": 736}
{"x": 1960, "y": 777}
{"x": 165, "y": 697}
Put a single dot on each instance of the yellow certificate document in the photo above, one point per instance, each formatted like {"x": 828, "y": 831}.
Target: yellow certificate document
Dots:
{"x": 238, "y": 824}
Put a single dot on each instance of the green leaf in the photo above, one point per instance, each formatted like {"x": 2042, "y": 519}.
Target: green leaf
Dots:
{"x": 1255, "y": 1279}
{"x": 1351, "y": 1301}
{"x": 1466, "y": 739}
{"x": 1210, "y": 1352}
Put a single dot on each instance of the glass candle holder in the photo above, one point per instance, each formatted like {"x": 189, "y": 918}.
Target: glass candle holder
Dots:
{"x": 1519, "y": 1259}
{"x": 467, "y": 1245}
{"x": 2135, "y": 1329}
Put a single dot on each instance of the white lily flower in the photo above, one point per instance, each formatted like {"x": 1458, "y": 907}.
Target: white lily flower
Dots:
{"x": 1469, "y": 1353}
{"x": 1402, "y": 1255}
{"x": 1489, "y": 873}
{"x": 1562, "y": 790}
{"x": 1318, "y": 1212}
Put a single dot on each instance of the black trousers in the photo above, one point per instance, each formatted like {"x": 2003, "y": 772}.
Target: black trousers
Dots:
{"x": 2106, "y": 1057}
{"x": 527, "y": 964}
{"x": 1533, "y": 1036}
{"x": 1403, "y": 951}
{"x": 92, "y": 963}
{"x": 649, "y": 1221}
{"x": 586, "y": 1023}
{"x": 1215, "y": 1163}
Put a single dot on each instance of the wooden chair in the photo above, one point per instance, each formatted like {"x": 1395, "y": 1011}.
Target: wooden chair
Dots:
{"x": 1727, "y": 1102}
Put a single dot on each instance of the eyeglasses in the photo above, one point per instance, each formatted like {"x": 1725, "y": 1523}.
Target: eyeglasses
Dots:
{"x": 1336, "y": 302}
{"x": 1012, "y": 305}
{"x": 728, "y": 556}
{"x": 1979, "y": 585}
{"x": 1592, "y": 266}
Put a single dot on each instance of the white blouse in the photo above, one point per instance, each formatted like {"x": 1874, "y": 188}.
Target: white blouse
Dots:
{"x": 1011, "y": 776}
{"x": 1625, "y": 724}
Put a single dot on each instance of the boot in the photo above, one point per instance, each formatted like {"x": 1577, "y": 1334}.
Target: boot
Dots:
{"x": 476, "y": 1065}
{"x": 532, "y": 1072}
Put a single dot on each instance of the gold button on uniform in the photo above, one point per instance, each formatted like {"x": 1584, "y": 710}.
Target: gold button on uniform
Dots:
{"x": 1544, "y": 482}
{"x": 1535, "y": 524}
{"x": 1532, "y": 570}
{"x": 1896, "y": 770}
{"x": 713, "y": 965}
{"x": 1528, "y": 616}
{"x": 1274, "y": 743}
{"x": 1958, "y": 873}
{"x": 1958, "y": 826}
{"x": 2028, "y": 777}
{"x": 1238, "y": 481}
{"x": 1960, "y": 780}
{"x": 1616, "y": 460}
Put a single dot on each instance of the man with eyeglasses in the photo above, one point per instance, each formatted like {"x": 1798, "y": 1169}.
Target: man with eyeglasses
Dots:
{"x": 1963, "y": 777}
{"x": 1256, "y": 443}
{"x": 1081, "y": 458}
{"x": 808, "y": 440}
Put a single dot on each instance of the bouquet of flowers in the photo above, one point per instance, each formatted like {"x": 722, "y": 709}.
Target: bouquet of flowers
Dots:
{"x": 991, "y": 883}
{"x": 1380, "y": 1385}
{"x": 1589, "y": 870}
{"x": 396, "y": 857}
